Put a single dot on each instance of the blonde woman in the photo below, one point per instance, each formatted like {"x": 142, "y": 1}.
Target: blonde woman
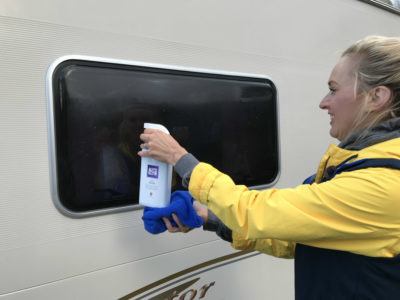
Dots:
{"x": 343, "y": 226}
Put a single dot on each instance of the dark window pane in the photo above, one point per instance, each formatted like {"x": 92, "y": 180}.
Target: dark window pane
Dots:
{"x": 100, "y": 108}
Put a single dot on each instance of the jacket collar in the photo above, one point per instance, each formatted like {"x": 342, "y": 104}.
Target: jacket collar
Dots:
{"x": 382, "y": 132}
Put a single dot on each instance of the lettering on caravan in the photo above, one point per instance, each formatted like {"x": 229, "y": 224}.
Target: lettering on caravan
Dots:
{"x": 191, "y": 293}
{"x": 172, "y": 287}
{"x": 183, "y": 291}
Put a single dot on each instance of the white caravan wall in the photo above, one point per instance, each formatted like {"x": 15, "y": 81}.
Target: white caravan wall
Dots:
{"x": 45, "y": 255}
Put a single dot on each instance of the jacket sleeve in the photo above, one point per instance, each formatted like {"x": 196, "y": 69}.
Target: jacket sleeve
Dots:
{"x": 272, "y": 247}
{"x": 352, "y": 212}
{"x": 215, "y": 225}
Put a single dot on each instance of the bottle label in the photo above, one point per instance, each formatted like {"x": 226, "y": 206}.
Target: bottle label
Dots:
{"x": 152, "y": 171}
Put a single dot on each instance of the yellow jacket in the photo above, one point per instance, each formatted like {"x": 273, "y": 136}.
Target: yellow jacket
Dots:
{"x": 357, "y": 211}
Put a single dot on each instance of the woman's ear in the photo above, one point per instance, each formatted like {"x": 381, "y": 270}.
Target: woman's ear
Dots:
{"x": 381, "y": 96}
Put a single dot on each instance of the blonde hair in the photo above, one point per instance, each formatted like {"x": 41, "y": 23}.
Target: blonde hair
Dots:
{"x": 378, "y": 65}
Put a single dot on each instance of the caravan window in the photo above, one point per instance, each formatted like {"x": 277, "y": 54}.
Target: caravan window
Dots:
{"x": 98, "y": 111}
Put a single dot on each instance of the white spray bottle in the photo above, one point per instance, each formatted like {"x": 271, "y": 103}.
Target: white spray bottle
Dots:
{"x": 155, "y": 178}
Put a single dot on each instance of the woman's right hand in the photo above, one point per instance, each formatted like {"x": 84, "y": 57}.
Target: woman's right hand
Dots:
{"x": 160, "y": 146}
{"x": 201, "y": 210}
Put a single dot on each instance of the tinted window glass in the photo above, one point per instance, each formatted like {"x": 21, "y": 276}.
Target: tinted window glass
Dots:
{"x": 100, "y": 108}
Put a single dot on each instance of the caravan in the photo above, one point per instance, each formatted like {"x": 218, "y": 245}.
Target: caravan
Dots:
{"x": 78, "y": 80}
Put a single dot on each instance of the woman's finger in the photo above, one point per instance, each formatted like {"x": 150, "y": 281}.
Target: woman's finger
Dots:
{"x": 150, "y": 133}
{"x": 169, "y": 226}
{"x": 177, "y": 221}
{"x": 181, "y": 227}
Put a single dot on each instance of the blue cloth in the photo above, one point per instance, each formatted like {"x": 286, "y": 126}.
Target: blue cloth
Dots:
{"x": 181, "y": 205}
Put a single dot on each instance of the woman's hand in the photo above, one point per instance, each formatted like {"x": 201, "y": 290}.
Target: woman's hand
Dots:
{"x": 200, "y": 210}
{"x": 160, "y": 146}
{"x": 180, "y": 228}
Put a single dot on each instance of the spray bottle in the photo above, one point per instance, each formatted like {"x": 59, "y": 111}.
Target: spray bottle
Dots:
{"x": 155, "y": 178}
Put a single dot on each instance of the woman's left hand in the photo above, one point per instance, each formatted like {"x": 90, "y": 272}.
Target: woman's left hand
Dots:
{"x": 160, "y": 146}
{"x": 201, "y": 210}
{"x": 180, "y": 227}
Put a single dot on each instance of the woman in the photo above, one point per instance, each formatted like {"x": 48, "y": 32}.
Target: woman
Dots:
{"x": 343, "y": 227}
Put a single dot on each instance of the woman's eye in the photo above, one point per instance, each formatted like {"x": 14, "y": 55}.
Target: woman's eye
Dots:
{"x": 332, "y": 91}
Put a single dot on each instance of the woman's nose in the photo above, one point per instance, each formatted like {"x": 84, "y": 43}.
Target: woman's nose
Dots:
{"x": 324, "y": 103}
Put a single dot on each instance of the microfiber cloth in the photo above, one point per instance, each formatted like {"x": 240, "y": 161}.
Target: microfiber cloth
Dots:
{"x": 181, "y": 205}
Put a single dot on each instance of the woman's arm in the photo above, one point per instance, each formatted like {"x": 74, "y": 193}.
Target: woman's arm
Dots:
{"x": 164, "y": 148}
{"x": 356, "y": 211}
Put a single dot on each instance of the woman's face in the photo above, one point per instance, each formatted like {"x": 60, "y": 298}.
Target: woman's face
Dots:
{"x": 341, "y": 102}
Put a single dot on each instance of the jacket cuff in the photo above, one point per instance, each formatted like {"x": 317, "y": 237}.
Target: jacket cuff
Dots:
{"x": 214, "y": 224}
{"x": 184, "y": 167}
